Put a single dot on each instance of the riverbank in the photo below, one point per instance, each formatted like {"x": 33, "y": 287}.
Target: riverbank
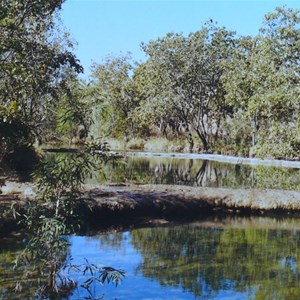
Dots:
{"x": 183, "y": 200}
{"x": 131, "y": 204}
{"x": 254, "y": 199}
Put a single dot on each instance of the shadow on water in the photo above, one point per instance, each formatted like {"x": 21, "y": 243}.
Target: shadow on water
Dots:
{"x": 20, "y": 164}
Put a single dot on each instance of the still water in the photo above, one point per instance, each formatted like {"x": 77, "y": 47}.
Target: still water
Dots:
{"x": 232, "y": 258}
{"x": 195, "y": 172}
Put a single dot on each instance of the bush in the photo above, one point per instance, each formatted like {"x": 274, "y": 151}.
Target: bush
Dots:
{"x": 136, "y": 144}
{"x": 275, "y": 150}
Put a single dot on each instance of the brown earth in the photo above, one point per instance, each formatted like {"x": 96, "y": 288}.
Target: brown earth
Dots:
{"x": 169, "y": 198}
{"x": 157, "y": 204}
{"x": 183, "y": 198}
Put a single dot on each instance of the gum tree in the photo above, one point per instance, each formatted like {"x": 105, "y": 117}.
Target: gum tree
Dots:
{"x": 188, "y": 71}
{"x": 263, "y": 84}
{"x": 35, "y": 64}
{"x": 115, "y": 94}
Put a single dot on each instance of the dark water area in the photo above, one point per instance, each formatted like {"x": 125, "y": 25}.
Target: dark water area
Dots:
{"x": 231, "y": 258}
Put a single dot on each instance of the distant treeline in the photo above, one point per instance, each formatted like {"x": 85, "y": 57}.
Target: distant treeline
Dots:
{"x": 222, "y": 92}
{"x": 217, "y": 91}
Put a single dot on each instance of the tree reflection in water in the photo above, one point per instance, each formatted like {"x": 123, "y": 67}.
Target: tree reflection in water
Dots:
{"x": 195, "y": 172}
{"x": 204, "y": 261}
{"x": 245, "y": 258}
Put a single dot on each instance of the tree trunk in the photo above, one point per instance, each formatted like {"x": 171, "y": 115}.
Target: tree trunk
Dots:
{"x": 204, "y": 140}
{"x": 191, "y": 142}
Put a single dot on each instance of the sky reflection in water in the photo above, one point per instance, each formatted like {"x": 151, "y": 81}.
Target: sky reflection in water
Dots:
{"x": 196, "y": 262}
{"x": 231, "y": 258}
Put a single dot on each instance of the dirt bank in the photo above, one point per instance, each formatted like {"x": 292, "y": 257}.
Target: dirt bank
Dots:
{"x": 127, "y": 204}
{"x": 132, "y": 197}
{"x": 183, "y": 199}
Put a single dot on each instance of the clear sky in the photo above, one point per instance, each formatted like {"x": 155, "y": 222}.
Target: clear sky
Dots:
{"x": 105, "y": 27}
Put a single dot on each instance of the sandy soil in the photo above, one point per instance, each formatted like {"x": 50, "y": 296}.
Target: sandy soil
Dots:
{"x": 161, "y": 196}
{"x": 183, "y": 197}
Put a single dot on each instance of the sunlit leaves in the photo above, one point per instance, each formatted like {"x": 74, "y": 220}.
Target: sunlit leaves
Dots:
{"x": 263, "y": 83}
{"x": 187, "y": 73}
{"x": 33, "y": 64}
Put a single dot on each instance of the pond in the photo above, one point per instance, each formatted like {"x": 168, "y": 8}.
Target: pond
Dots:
{"x": 231, "y": 258}
{"x": 195, "y": 172}
{"x": 213, "y": 258}
{"x": 184, "y": 171}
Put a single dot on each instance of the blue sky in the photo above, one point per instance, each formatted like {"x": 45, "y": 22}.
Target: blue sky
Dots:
{"x": 112, "y": 27}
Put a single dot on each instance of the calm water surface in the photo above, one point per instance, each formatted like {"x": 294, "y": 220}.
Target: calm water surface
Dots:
{"x": 237, "y": 258}
{"x": 184, "y": 171}
{"x": 196, "y": 172}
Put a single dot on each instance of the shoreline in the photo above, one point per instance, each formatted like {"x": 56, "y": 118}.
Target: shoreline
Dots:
{"x": 232, "y": 198}
{"x": 184, "y": 198}
{"x": 295, "y": 164}
{"x": 135, "y": 205}
{"x": 167, "y": 199}
{"x": 254, "y": 198}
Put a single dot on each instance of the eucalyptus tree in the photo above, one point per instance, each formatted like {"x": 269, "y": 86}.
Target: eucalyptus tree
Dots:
{"x": 58, "y": 210}
{"x": 35, "y": 63}
{"x": 152, "y": 116}
{"x": 115, "y": 93}
{"x": 73, "y": 115}
{"x": 263, "y": 83}
{"x": 280, "y": 102}
{"x": 238, "y": 83}
{"x": 188, "y": 71}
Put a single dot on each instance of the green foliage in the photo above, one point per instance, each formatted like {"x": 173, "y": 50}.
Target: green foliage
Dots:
{"x": 44, "y": 253}
{"x": 51, "y": 217}
{"x": 186, "y": 85}
{"x": 210, "y": 87}
{"x": 262, "y": 83}
{"x": 74, "y": 113}
{"x": 99, "y": 275}
{"x": 59, "y": 183}
{"x": 114, "y": 88}
{"x": 35, "y": 65}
